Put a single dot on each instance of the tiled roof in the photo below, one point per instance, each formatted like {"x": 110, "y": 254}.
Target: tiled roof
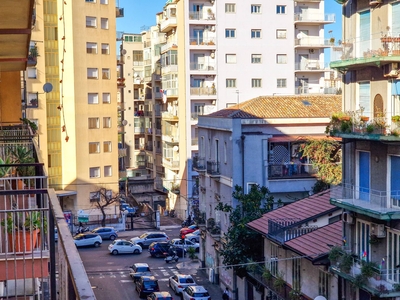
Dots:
{"x": 296, "y": 106}
{"x": 316, "y": 243}
{"x": 302, "y": 209}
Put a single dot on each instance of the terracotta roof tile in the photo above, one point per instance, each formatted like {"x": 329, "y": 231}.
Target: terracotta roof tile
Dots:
{"x": 302, "y": 209}
{"x": 316, "y": 243}
{"x": 295, "y": 106}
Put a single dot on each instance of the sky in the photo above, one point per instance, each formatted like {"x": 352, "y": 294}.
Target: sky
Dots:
{"x": 142, "y": 13}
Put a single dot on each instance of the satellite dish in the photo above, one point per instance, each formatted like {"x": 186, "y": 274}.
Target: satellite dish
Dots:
{"x": 175, "y": 148}
{"x": 124, "y": 122}
{"x": 123, "y": 51}
{"x": 47, "y": 87}
{"x": 320, "y": 298}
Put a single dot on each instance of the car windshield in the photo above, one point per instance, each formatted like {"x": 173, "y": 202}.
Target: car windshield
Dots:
{"x": 142, "y": 269}
{"x": 187, "y": 280}
{"x": 150, "y": 284}
{"x": 143, "y": 235}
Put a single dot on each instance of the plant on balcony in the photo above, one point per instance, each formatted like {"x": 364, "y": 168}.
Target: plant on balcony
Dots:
{"x": 5, "y": 170}
{"x": 252, "y": 265}
{"x": 359, "y": 281}
{"x": 334, "y": 254}
{"x": 396, "y": 287}
{"x": 346, "y": 262}
{"x": 279, "y": 282}
{"x": 31, "y": 124}
{"x": 368, "y": 268}
{"x": 295, "y": 294}
{"x": 266, "y": 273}
{"x": 382, "y": 289}
{"x": 396, "y": 118}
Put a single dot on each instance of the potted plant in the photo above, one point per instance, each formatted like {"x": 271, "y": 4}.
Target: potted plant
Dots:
{"x": 332, "y": 40}
{"x": 396, "y": 118}
{"x": 346, "y": 262}
{"x": 4, "y": 171}
{"x": 279, "y": 282}
{"x": 31, "y": 124}
{"x": 23, "y": 155}
{"x": 266, "y": 273}
{"x": 334, "y": 254}
{"x": 364, "y": 118}
{"x": 295, "y": 294}
{"x": 370, "y": 128}
{"x": 23, "y": 229}
{"x": 368, "y": 268}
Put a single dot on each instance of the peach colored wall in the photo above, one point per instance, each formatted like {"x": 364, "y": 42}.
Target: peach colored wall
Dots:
{"x": 10, "y": 97}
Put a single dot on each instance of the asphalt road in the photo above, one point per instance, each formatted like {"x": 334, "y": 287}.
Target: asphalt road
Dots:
{"x": 109, "y": 274}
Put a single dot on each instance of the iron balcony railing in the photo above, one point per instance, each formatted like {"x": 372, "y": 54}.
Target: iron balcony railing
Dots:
{"x": 291, "y": 170}
{"x": 29, "y": 213}
{"x": 203, "y": 91}
{"x": 284, "y": 230}
{"x": 213, "y": 168}
{"x": 314, "y": 17}
{"x": 199, "y": 163}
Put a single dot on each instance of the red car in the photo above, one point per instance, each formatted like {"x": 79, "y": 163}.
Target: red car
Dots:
{"x": 187, "y": 230}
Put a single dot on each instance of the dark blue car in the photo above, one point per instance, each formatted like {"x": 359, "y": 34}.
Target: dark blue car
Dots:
{"x": 158, "y": 249}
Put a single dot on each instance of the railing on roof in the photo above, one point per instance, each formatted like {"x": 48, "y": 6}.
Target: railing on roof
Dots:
{"x": 284, "y": 230}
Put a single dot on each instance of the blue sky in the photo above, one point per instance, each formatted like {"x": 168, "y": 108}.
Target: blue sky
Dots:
{"x": 140, "y": 13}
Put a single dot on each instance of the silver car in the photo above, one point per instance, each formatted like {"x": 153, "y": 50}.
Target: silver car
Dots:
{"x": 106, "y": 233}
{"x": 194, "y": 236}
{"x": 149, "y": 237}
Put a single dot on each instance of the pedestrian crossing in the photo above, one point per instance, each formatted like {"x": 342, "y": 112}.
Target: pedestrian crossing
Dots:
{"x": 161, "y": 273}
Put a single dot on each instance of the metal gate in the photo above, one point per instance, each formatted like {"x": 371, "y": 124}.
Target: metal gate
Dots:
{"x": 141, "y": 221}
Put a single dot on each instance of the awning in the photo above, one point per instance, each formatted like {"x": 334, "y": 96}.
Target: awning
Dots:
{"x": 295, "y": 138}
{"x": 63, "y": 193}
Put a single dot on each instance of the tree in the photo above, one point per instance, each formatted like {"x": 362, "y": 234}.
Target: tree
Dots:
{"x": 325, "y": 156}
{"x": 105, "y": 198}
{"x": 242, "y": 242}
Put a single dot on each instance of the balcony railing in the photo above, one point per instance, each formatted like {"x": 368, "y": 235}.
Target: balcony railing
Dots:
{"x": 202, "y": 67}
{"x": 284, "y": 230}
{"x": 311, "y": 41}
{"x": 169, "y": 45}
{"x": 170, "y": 138}
{"x": 213, "y": 168}
{"x": 168, "y": 23}
{"x": 310, "y": 65}
{"x": 314, "y": 17}
{"x": 201, "y": 15}
{"x": 160, "y": 169}
{"x": 29, "y": 212}
{"x": 379, "y": 204}
{"x": 122, "y": 152}
{"x": 199, "y": 164}
{"x": 196, "y": 41}
{"x": 195, "y": 141}
{"x": 170, "y": 163}
{"x": 203, "y": 91}
{"x": 290, "y": 170}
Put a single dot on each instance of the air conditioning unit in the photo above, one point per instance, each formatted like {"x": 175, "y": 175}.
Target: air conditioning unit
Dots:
{"x": 311, "y": 51}
{"x": 348, "y": 217}
{"x": 378, "y": 230}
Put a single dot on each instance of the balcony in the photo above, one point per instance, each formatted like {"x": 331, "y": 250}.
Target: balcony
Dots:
{"x": 149, "y": 147}
{"x": 168, "y": 23}
{"x": 119, "y": 12}
{"x": 170, "y": 163}
{"x": 356, "y": 53}
{"x": 310, "y": 65}
{"x": 195, "y": 141}
{"x": 311, "y": 42}
{"x": 203, "y": 68}
{"x": 171, "y": 139}
{"x": 138, "y": 130}
{"x": 283, "y": 230}
{"x": 169, "y": 46}
{"x": 381, "y": 205}
{"x": 203, "y": 91}
{"x": 169, "y": 116}
{"x": 29, "y": 212}
{"x": 169, "y": 69}
{"x": 309, "y": 18}
{"x": 208, "y": 16}
{"x": 141, "y": 164}
{"x": 291, "y": 171}
{"x": 208, "y": 43}
{"x": 199, "y": 164}
{"x": 160, "y": 169}
{"x": 122, "y": 152}
{"x": 213, "y": 168}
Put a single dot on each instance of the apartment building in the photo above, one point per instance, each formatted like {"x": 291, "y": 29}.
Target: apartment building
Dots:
{"x": 369, "y": 193}
{"x": 75, "y": 52}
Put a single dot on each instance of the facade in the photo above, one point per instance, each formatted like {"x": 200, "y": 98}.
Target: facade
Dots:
{"x": 77, "y": 117}
{"x": 255, "y": 142}
{"x": 369, "y": 192}
{"x": 297, "y": 240}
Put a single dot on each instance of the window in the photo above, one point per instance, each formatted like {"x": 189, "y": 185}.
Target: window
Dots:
{"x": 94, "y": 172}
{"x": 106, "y": 146}
{"x": 393, "y": 254}
{"x": 91, "y": 48}
{"x": 106, "y": 122}
{"x": 230, "y": 83}
{"x": 106, "y": 73}
{"x": 94, "y": 147}
{"x": 281, "y": 9}
{"x": 104, "y": 23}
{"x": 106, "y": 98}
{"x": 32, "y": 73}
{"x": 230, "y": 58}
{"x": 91, "y": 22}
{"x": 92, "y": 1}
{"x": 274, "y": 259}
{"x": 230, "y": 33}
{"x": 281, "y": 33}
{"x": 107, "y": 171}
{"x": 256, "y": 58}
{"x": 256, "y": 33}
{"x": 256, "y": 8}
{"x": 93, "y": 98}
{"x": 256, "y": 82}
{"x": 323, "y": 284}
{"x": 281, "y": 58}
{"x": 364, "y": 98}
{"x": 93, "y": 123}
{"x": 92, "y": 73}
{"x": 32, "y": 100}
{"x": 230, "y": 7}
{"x": 281, "y": 83}
{"x": 103, "y": 1}
{"x": 94, "y": 196}
{"x": 296, "y": 268}
{"x": 105, "y": 49}
{"x": 363, "y": 231}
{"x": 198, "y": 110}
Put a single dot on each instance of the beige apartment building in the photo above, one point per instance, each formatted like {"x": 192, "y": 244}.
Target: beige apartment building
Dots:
{"x": 74, "y": 49}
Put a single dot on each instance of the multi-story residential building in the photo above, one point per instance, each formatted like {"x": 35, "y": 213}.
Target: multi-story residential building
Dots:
{"x": 297, "y": 240}
{"x": 76, "y": 53}
{"x": 29, "y": 209}
{"x": 369, "y": 193}
{"x": 257, "y": 142}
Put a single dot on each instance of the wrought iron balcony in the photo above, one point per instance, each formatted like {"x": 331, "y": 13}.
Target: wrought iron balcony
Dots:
{"x": 213, "y": 168}
{"x": 199, "y": 164}
{"x": 283, "y": 230}
{"x": 291, "y": 170}
{"x": 29, "y": 213}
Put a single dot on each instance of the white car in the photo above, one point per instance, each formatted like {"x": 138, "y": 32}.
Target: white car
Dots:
{"x": 87, "y": 239}
{"x": 194, "y": 236}
{"x": 186, "y": 244}
{"x": 179, "y": 281}
{"x": 124, "y": 246}
{"x": 195, "y": 292}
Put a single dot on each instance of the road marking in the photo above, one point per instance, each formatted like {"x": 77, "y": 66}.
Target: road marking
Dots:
{"x": 126, "y": 281}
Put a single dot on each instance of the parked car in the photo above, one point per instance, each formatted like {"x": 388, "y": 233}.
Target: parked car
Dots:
{"x": 106, "y": 233}
{"x": 139, "y": 269}
{"x": 160, "y": 296}
{"x": 124, "y": 246}
{"x": 158, "y": 249}
{"x": 149, "y": 237}
{"x": 147, "y": 285}
{"x": 187, "y": 230}
{"x": 194, "y": 236}
{"x": 178, "y": 282}
{"x": 87, "y": 239}
{"x": 195, "y": 292}
{"x": 185, "y": 243}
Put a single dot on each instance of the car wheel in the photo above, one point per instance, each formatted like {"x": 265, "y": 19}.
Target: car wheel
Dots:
{"x": 97, "y": 244}
{"x": 112, "y": 237}
{"x": 136, "y": 251}
{"x": 114, "y": 252}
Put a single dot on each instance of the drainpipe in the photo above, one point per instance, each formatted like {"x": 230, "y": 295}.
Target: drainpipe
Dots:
{"x": 242, "y": 137}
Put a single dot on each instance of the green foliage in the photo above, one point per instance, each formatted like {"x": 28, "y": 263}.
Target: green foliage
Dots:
{"x": 4, "y": 170}
{"x": 23, "y": 155}
{"x": 266, "y": 274}
{"x": 335, "y": 253}
{"x": 320, "y": 186}
{"x": 346, "y": 262}
{"x": 243, "y": 243}
{"x": 326, "y": 157}
{"x": 192, "y": 253}
{"x": 359, "y": 281}
{"x": 279, "y": 282}
{"x": 368, "y": 268}
{"x": 31, "y": 124}
{"x": 24, "y": 221}
{"x": 370, "y": 128}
